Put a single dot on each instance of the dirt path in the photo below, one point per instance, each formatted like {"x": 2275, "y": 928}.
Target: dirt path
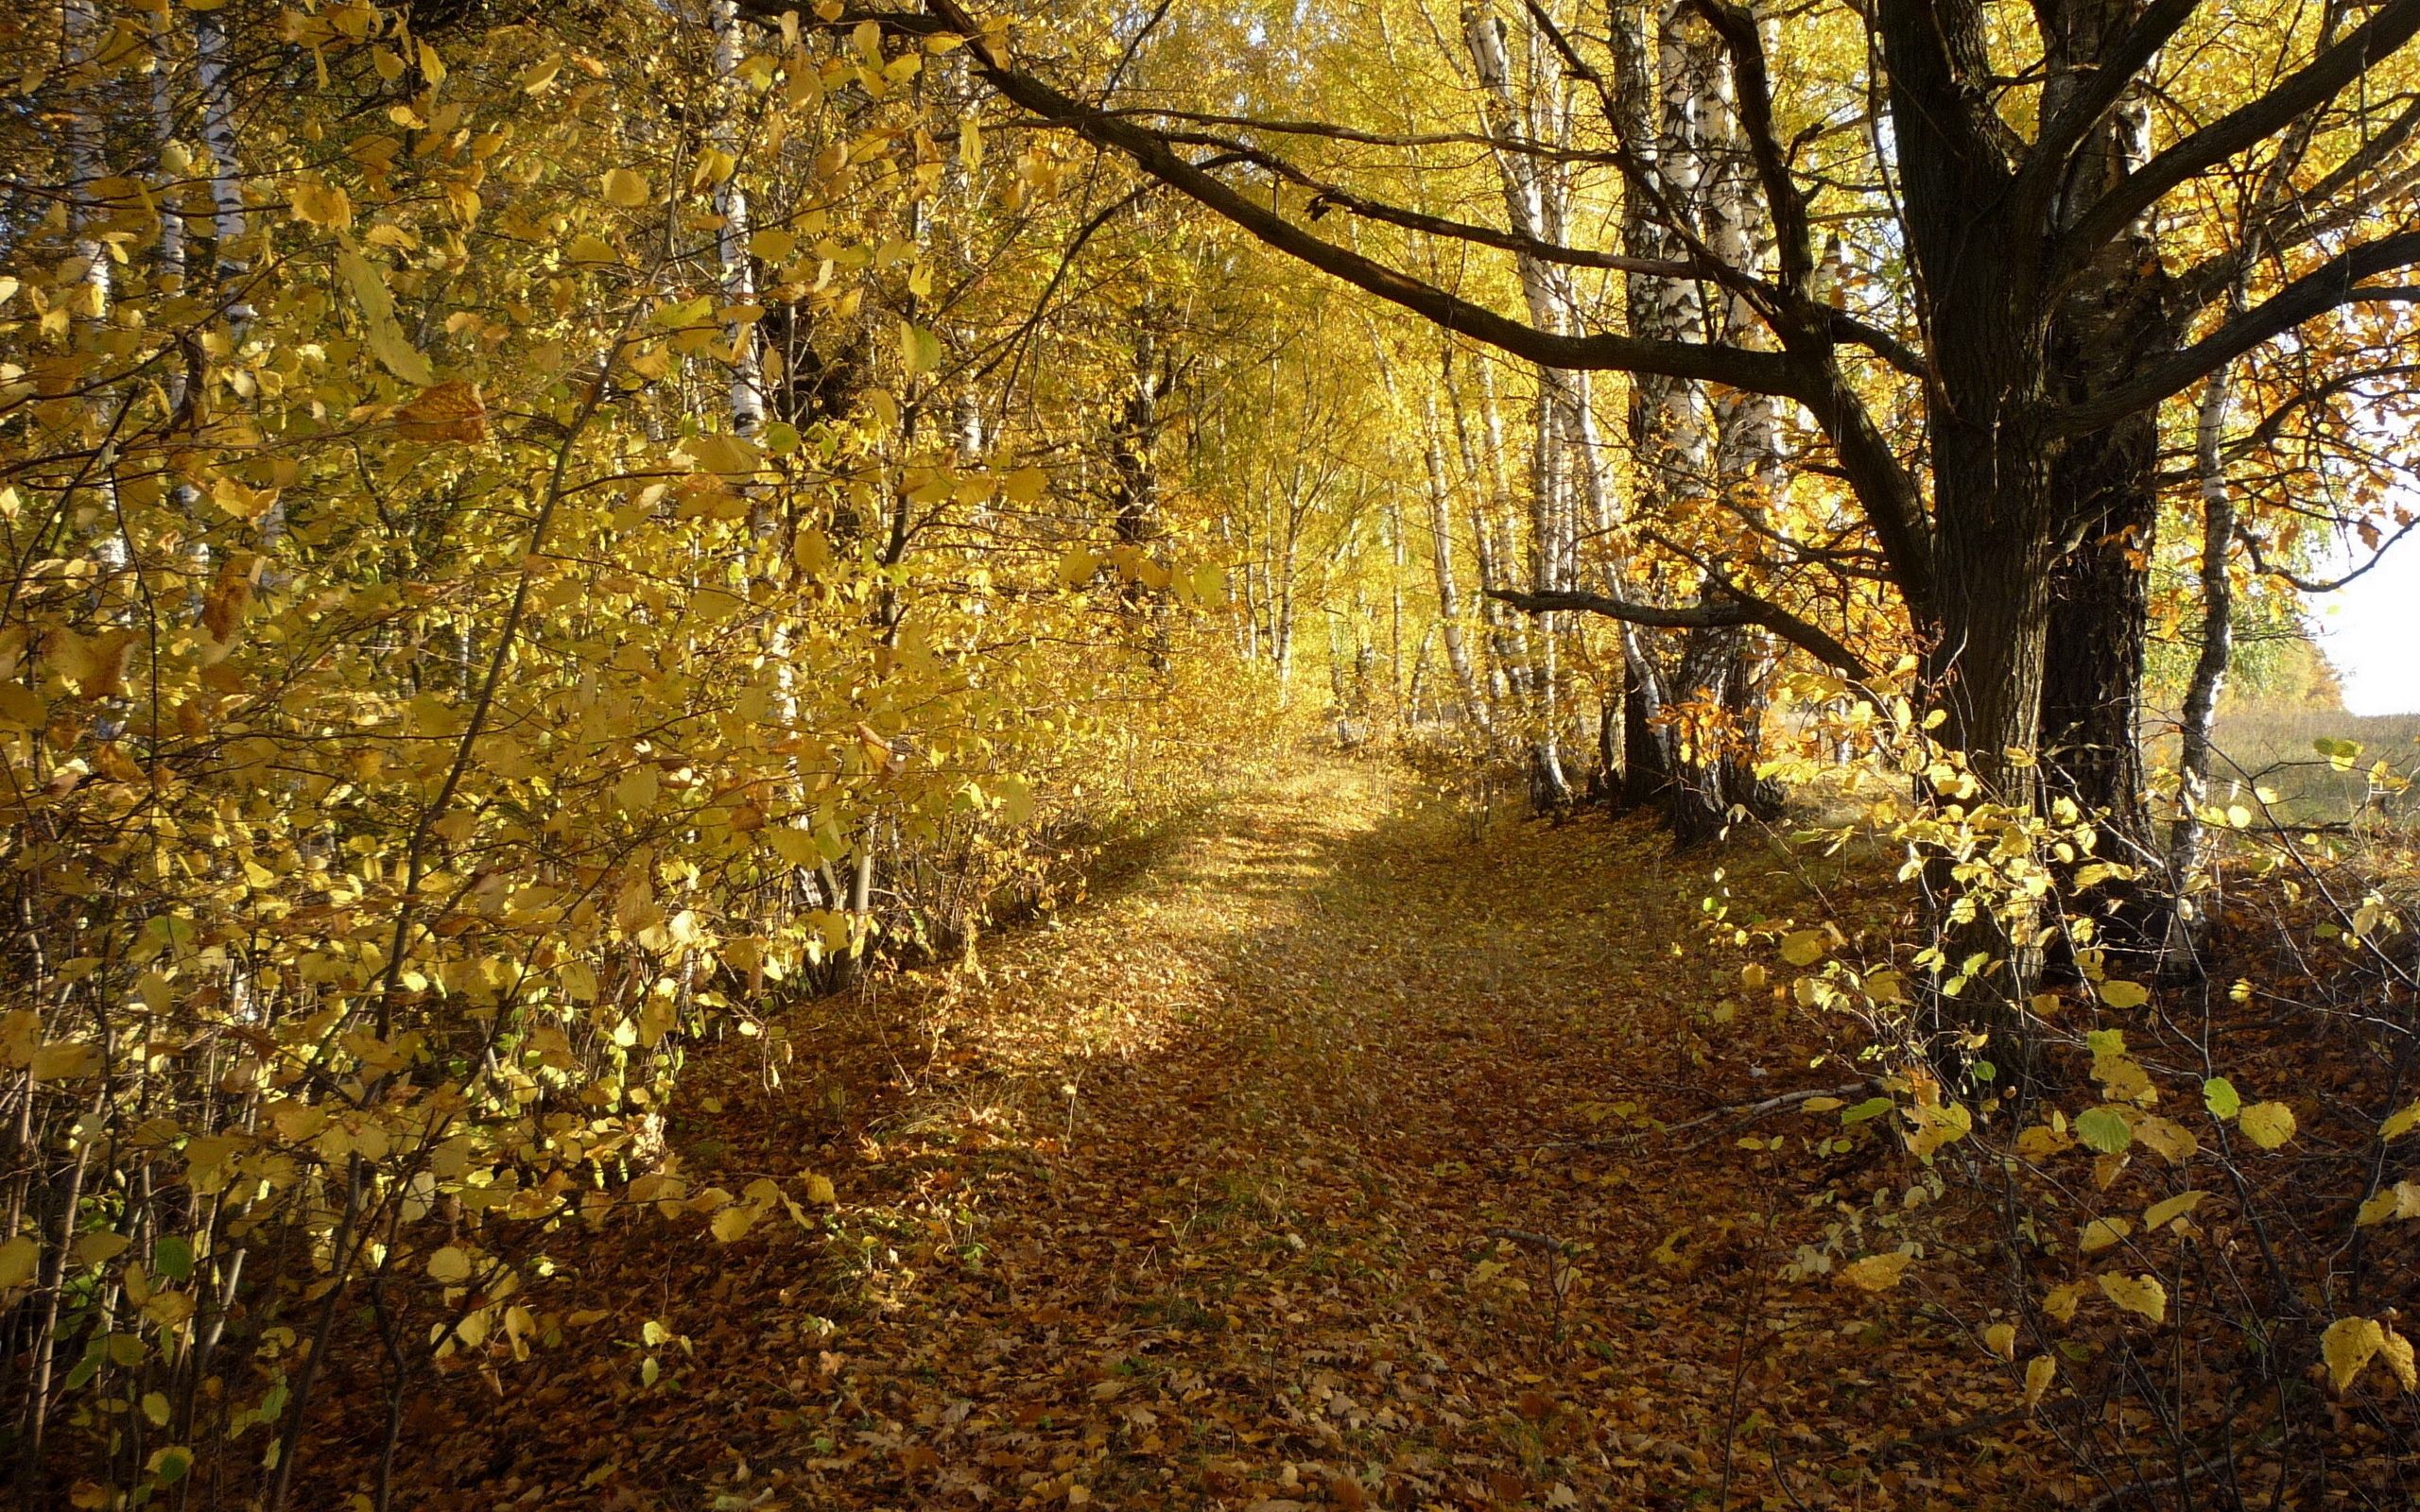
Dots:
{"x": 1311, "y": 1166}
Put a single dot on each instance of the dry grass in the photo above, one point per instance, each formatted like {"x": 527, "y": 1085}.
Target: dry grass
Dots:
{"x": 2273, "y": 748}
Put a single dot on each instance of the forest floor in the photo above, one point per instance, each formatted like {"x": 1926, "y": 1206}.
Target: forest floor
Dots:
{"x": 1325, "y": 1156}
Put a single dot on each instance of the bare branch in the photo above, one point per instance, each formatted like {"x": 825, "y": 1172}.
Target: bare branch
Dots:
{"x": 2324, "y": 585}
{"x": 2331, "y": 286}
{"x": 2388, "y": 30}
{"x": 1812, "y": 639}
{"x": 1764, "y": 372}
{"x": 1788, "y": 206}
{"x": 2100, "y": 92}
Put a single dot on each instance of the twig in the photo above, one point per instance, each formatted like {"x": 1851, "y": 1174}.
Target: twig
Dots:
{"x": 1746, "y": 1112}
{"x": 1749, "y": 1111}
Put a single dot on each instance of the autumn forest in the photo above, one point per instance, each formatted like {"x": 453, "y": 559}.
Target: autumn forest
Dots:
{"x": 1204, "y": 754}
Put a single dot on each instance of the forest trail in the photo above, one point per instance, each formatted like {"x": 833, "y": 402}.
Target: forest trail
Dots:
{"x": 1197, "y": 1199}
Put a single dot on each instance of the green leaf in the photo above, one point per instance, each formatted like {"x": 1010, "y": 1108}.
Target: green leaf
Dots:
{"x": 2219, "y": 1096}
{"x": 171, "y": 1464}
{"x": 2340, "y": 754}
{"x": 1872, "y": 1107}
{"x": 172, "y": 1257}
{"x": 2104, "y": 1129}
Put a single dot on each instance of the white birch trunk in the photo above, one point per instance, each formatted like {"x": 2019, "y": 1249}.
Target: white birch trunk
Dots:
{"x": 1441, "y": 536}
{"x": 746, "y": 395}
{"x": 230, "y": 224}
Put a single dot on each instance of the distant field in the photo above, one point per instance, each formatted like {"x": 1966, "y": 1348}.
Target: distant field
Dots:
{"x": 2273, "y": 748}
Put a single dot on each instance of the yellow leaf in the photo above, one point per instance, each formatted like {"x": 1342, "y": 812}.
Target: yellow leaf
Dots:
{"x": 1932, "y": 1128}
{"x": 2267, "y": 1124}
{"x": 1805, "y": 947}
{"x": 818, "y": 1189}
{"x": 1025, "y": 486}
{"x": 637, "y": 790}
{"x": 18, "y": 1258}
{"x": 2141, "y": 1295}
{"x": 449, "y": 412}
{"x": 2396, "y": 1351}
{"x": 2060, "y": 1302}
{"x": 1876, "y": 1273}
{"x": 245, "y": 504}
{"x": 1076, "y": 567}
{"x": 2041, "y": 1141}
{"x": 2039, "y": 1372}
{"x": 625, "y": 187}
{"x": 2125, "y": 994}
{"x": 100, "y": 1247}
{"x": 381, "y": 331}
{"x": 321, "y": 204}
{"x": 2399, "y": 1123}
{"x": 2347, "y": 1346}
{"x": 590, "y": 249}
{"x": 63, "y": 1059}
{"x": 2000, "y": 1338}
{"x": 2159, "y": 1214}
{"x": 731, "y": 1223}
{"x": 2166, "y": 1136}
{"x": 727, "y": 454}
{"x": 792, "y": 845}
{"x": 450, "y": 1265}
{"x": 2102, "y": 1232}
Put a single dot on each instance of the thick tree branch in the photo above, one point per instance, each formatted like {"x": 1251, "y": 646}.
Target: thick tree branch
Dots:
{"x": 2331, "y": 286}
{"x": 2045, "y": 165}
{"x": 1882, "y": 483}
{"x": 1783, "y": 199}
{"x": 1326, "y": 196}
{"x": 1812, "y": 639}
{"x": 1858, "y": 331}
{"x": 1763, "y": 372}
{"x": 2388, "y": 30}
{"x": 2326, "y": 585}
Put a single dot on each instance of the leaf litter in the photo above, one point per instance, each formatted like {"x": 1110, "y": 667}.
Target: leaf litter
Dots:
{"x": 1326, "y": 1159}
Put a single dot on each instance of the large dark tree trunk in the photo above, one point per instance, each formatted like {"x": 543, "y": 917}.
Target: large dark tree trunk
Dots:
{"x": 2115, "y": 321}
{"x": 2100, "y": 612}
{"x": 1743, "y": 706}
{"x": 1647, "y": 743}
{"x": 1693, "y": 803}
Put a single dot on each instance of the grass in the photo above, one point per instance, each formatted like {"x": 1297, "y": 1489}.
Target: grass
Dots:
{"x": 2273, "y": 748}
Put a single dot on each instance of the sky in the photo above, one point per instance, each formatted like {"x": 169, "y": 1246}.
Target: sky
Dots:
{"x": 2371, "y": 630}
